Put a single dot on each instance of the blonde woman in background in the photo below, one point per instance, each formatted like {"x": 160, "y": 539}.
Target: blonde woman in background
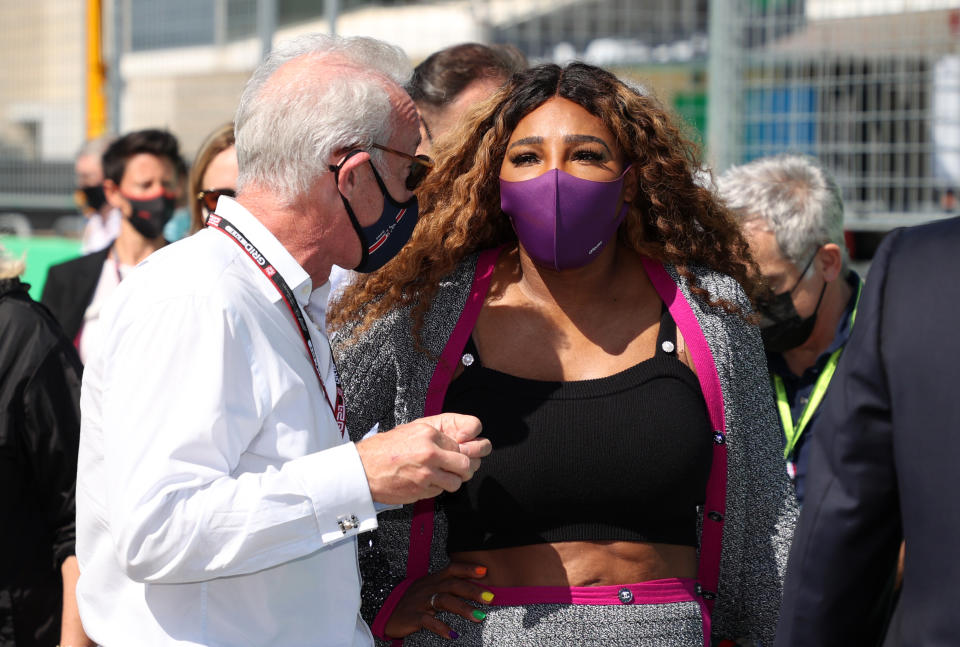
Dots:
{"x": 214, "y": 173}
{"x": 39, "y": 435}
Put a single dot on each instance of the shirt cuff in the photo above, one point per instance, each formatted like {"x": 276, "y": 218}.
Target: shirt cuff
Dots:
{"x": 337, "y": 485}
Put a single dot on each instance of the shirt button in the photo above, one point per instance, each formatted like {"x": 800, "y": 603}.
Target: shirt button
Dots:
{"x": 803, "y": 400}
{"x": 626, "y": 596}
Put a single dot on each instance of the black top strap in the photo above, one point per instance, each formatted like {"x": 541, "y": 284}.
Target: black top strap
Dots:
{"x": 470, "y": 356}
{"x": 666, "y": 341}
{"x": 667, "y": 337}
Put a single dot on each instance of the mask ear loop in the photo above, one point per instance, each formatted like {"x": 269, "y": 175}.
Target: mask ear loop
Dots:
{"x": 804, "y": 272}
{"x": 386, "y": 192}
{"x": 364, "y": 253}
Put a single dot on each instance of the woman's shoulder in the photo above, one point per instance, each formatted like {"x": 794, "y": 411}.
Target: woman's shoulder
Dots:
{"x": 719, "y": 286}
{"x": 396, "y": 325}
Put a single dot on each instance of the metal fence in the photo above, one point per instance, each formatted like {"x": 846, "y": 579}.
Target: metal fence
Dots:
{"x": 41, "y": 101}
{"x": 870, "y": 87}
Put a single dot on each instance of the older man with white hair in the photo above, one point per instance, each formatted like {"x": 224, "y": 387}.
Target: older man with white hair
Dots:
{"x": 219, "y": 499}
{"x": 103, "y": 219}
{"x": 791, "y": 214}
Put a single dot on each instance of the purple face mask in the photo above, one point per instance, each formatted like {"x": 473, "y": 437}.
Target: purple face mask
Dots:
{"x": 563, "y": 221}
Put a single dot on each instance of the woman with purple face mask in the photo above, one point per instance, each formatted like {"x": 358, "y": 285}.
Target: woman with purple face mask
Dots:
{"x": 571, "y": 285}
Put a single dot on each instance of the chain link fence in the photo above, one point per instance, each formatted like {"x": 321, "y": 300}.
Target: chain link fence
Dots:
{"x": 870, "y": 87}
{"x": 41, "y": 103}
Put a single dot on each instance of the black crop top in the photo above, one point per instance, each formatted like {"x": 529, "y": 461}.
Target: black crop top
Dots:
{"x": 624, "y": 457}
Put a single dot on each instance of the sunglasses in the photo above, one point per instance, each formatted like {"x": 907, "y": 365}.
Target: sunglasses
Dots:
{"x": 418, "y": 170}
{"x": 209, "y": 197}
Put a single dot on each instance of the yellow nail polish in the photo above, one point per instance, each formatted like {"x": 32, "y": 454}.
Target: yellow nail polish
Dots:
{"x": 487, "y": 597}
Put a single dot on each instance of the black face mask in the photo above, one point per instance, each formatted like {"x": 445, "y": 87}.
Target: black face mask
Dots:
{"x": 384, "y": 239}
{"x": 781, "y": 328}
{"x": 94, "y": 196}
{"x": 149, "y": 217}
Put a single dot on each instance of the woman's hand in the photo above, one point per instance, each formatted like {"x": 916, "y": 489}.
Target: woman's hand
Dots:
{"x": 445, "y": 590}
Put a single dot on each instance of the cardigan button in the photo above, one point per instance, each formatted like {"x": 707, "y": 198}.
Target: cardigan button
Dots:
{"x": 719, "y": 438}
{"x": 626, "y": 596}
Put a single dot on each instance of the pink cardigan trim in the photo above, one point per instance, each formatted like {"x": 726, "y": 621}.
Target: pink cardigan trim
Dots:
{"x": 652, "y": 592}
{"x": 379, "y": 625}
{"x": 716, "y": 496}
{"x": 421, "y": 530}
{"x": 657, "y": 591}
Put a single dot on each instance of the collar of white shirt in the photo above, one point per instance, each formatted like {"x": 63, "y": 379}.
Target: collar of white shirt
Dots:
{"x": 313, "y": 301}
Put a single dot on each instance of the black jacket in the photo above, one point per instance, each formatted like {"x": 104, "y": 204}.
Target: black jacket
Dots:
{"x": 884, "y": 461}
{"x": 69, "y": 289}
{"x": 39, "y": 437}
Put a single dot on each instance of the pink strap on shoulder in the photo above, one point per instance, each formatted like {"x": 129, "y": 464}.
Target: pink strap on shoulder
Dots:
{"x": 421, "y": 534}
{"x": 708, "y": 573}
{"x": 450, "y": 358}
{"x": 421, "y": 530}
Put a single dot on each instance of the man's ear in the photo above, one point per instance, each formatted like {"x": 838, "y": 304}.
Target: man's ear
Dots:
{"x": 349, "y": 176}
{"x": 631, "y": 184}
{"x": 830, "y": 260}
{"x": 112, "y": 193}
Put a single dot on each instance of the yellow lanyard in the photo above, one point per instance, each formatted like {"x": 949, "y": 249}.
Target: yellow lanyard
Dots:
{"x": 791, "y": 431}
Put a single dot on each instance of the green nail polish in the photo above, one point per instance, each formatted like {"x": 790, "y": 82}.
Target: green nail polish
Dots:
{"x": 478, "y": 614}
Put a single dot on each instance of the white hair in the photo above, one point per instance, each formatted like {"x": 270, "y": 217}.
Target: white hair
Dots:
{"x": 96, "y": 147}
{"x": 287, "y": 129}
{"x": 793, "y": 197}
{"x": 10, "y": 267}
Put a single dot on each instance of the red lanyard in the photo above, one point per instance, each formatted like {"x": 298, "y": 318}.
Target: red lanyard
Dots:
{"x": 224, "y": 226}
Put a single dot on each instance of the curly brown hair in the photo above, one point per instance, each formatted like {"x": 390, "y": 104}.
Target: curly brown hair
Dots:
{"x": 671, "y": 219}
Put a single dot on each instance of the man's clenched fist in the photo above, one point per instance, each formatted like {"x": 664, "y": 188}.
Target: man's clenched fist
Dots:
{"x": 422, "y": 458}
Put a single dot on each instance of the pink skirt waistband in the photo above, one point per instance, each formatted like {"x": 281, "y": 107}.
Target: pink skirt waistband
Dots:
{"x": 675, "y": 589}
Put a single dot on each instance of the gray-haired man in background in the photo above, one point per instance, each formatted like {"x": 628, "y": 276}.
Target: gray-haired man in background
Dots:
{"x": 791, "y": 213}
{"x": 219, "y": 498}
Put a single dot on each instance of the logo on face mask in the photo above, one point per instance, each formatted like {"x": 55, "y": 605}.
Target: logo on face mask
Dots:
{"x": 149, "y": 215}
{"x": 563, "y": 221}
{"x": 384, "y": 239}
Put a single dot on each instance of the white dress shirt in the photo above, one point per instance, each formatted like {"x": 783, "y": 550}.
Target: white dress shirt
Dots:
{"x": 217, "y": 503}
{"x": 90, "y": 336}
{"x": 100, "y": 230}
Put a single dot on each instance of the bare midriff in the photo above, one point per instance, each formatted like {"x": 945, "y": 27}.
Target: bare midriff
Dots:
{"x": 582, "y": 563}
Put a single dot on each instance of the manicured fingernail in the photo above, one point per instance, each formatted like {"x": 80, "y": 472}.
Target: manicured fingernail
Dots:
{"x": 487, "y": 597}
{"x": 478, "y": 614}
{"x": 454, "y": 635}
{"x": 480, "y": 571}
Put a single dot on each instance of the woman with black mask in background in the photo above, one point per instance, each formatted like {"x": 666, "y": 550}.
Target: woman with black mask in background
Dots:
{"x": 141, "y": 180}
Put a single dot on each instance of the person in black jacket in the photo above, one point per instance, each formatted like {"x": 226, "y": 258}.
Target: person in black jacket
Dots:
{"x": 884, "y": 462}
{"x": 142, "y": 171}
{"x": 39, "y": 437}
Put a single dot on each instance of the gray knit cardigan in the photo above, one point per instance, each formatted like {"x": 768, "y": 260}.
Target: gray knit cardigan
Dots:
{"x": 386, "y": 379}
